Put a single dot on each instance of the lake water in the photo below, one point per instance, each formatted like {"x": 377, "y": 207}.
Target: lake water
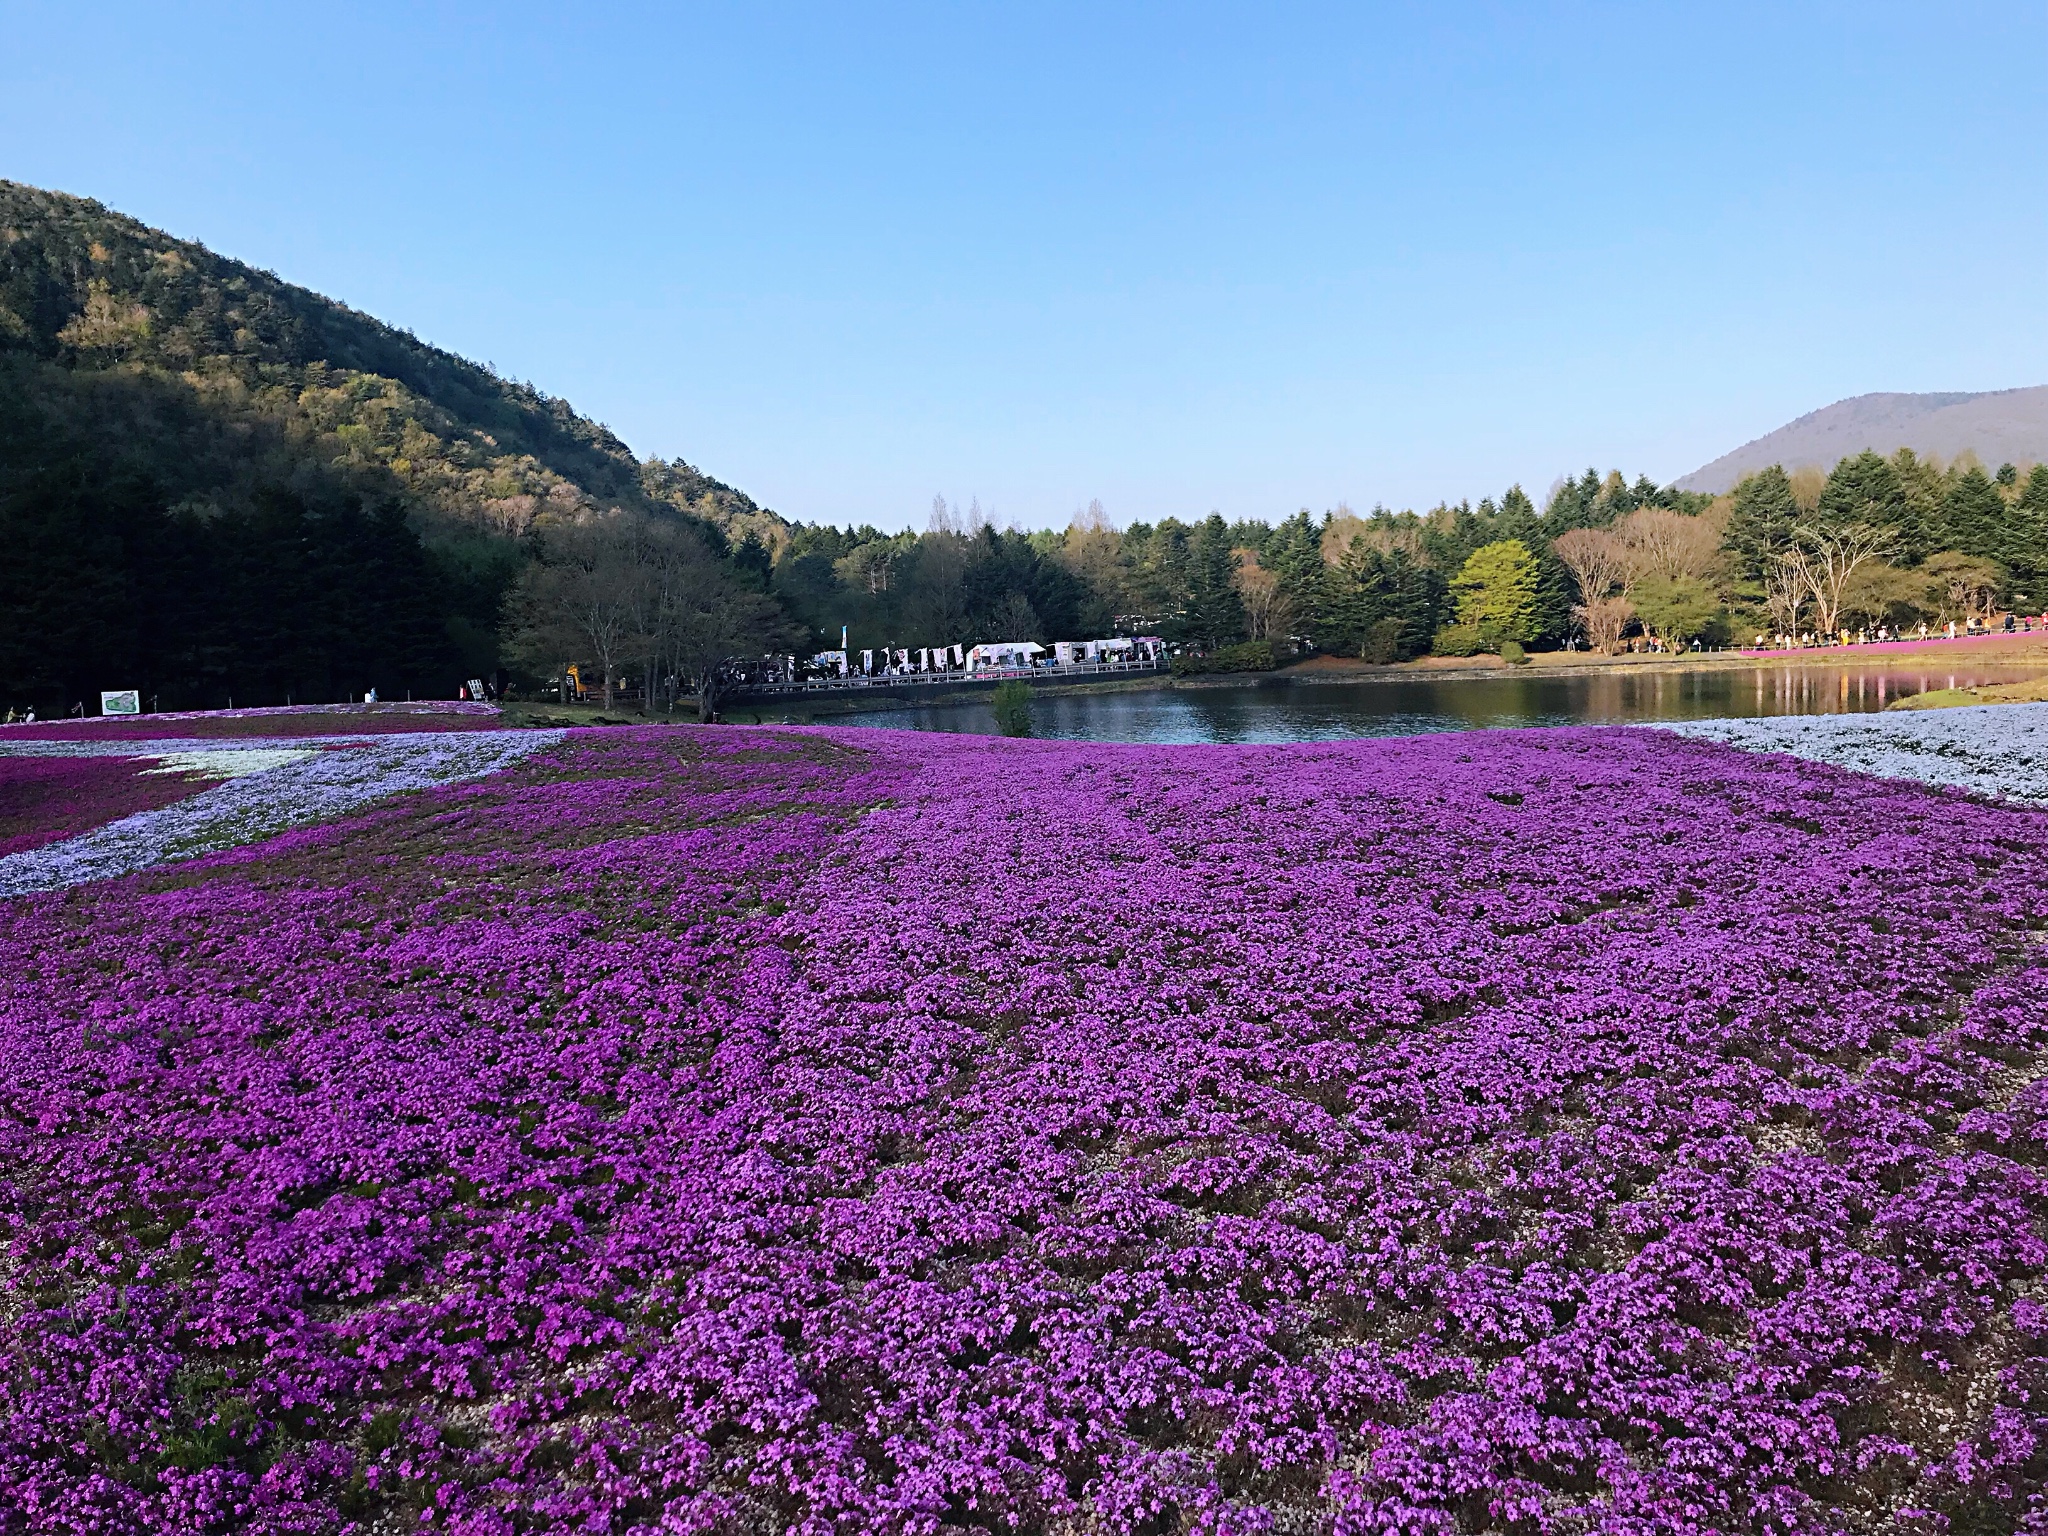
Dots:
{"x": 1411, "y": 704}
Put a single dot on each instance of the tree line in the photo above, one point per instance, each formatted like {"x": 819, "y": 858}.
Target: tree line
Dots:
{"x": 1878, "y": 541}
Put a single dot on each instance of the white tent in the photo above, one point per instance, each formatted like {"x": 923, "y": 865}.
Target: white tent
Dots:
{"x": 1003, "y": 654}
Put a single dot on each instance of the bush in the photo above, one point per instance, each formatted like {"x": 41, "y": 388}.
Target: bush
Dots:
{"x": 1512, "y": 653}
{"x": 1383, "y": 642}
{"x": 1012, "y": 704}
{"x": 1461, "y": 640}
{"x": 1248, "y": 656}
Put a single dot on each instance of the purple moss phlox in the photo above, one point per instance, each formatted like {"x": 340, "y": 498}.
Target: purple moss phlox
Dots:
{"x": 721, "y": 1130}
{"x": 44, "y": 800}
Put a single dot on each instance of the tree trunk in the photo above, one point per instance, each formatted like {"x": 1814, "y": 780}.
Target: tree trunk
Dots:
{"x": 707, "y": 697}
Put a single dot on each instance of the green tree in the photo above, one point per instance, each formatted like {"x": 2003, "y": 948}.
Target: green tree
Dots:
{"x": 1867, "y": 489}
{"x": 1384, "y": 604}
{"x": 1975, "y": 518}
{"x": 1761, "y": 518}
{"x": 2030, "y": 534}
{"x": 1496, "y": 591}
{"x": 1925, "y": 492}
{"x": 1678, "y": 609}
{"x": 1293, "y": 552}
{"x": 1214, "y": 614}
{"x": 1012, "y": 705}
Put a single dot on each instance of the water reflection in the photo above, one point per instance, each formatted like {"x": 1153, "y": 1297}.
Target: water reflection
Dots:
{"x": 1404, "y": 706}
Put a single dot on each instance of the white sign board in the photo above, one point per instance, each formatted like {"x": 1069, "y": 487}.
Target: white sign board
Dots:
{"x": 123, "y": 701}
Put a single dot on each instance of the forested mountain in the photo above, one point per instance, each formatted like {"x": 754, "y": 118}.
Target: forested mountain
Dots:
{"x": 213, "y": 482}
{"x": 1998, "y": 426}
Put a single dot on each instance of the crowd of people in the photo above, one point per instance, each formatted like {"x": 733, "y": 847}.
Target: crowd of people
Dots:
{"x": 1970, "y": 629}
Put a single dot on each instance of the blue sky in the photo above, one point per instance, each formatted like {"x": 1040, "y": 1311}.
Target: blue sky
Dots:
{"x": 1249, "y": 258}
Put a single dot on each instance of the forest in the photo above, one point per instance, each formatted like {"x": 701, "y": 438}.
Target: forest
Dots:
{"x": 1885, "y": 541}
{"x": 217, "y": 486}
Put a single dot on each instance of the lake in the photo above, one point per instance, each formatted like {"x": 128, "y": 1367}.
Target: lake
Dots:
{"x": 1412, "y": 704}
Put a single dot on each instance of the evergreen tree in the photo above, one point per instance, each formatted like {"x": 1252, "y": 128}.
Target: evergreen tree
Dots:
{"x": 1866, "y": 489}
{"x": 1518, "y": 519}
{"x": 2030, "y": 534}
{"x": 1293, "y": 552}
{"x": 1214, "y": 615}
{"x": 1922, "y": 526}
{"x": 1496, "y": 591}
{"x": 1762, "y": 518}
{"x": 1975, "y": 519}
{"x": 1383, "y": 601}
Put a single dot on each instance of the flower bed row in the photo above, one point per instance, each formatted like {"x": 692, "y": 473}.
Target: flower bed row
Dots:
{"x": 867, "y": 1132}
{"x": 1997, "y": 750}
{"x": 45, "y": 800}
{"x": 278, "y": 720}
{"x": 269, "y": 784}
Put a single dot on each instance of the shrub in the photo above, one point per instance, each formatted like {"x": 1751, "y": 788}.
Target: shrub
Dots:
{"x": 1382, "y": 643}
{"x": 1460, "y": 640}
{"x": 1512, "y": 653}
{"x": 1247, "y": 656}
{"x": 1012, "y": 704}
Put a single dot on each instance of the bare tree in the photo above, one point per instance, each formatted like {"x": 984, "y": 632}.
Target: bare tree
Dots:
{"x": 1787, "y": 584}
{"x": 1831, "y": 554}
{"x": 1807, "y": 482}
{"x": 1596, "y": 560}
{"x": 581, "y": 602}
{"x": 1265, "y": 607}
{"x": 1606, "y": 620}
{"x": 1600, "y": 564}
{"x": 1658, "y": 542}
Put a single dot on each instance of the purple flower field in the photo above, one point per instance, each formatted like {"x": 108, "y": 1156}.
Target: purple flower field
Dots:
{"x": 45, "y": 799}
{"x": 840, "y": 1131}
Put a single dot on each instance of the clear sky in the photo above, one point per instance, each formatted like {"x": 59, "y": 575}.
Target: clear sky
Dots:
{"x": 1249, "y": 258}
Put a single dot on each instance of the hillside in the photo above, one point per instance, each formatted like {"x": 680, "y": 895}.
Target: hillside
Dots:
{"x": 2000, "y": 426}
{"x": 217, "y": 485}
{"x": 213, "y": 376}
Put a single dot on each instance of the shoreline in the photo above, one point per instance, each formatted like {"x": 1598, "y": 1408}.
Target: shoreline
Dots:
{"x": 2005, "y": 651}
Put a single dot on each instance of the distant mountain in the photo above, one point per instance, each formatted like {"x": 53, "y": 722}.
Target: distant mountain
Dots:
{"x": 2001, "y": 426}
{"x": 211, "y": 377}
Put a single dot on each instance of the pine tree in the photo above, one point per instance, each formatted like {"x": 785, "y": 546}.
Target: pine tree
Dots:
{"x": 1763, "y": 517}
{"x": 1518, "y": 519}
{"x": 1975, "y": 520}
{"x": 1214, "y": 614}
{"x": 1865, "y": 489}
{"x": 2030, "y": 534}
{"x": 1294, "y": 554}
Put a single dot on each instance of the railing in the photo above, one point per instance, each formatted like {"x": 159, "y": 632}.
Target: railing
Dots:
{"x": 1051, "y": 672}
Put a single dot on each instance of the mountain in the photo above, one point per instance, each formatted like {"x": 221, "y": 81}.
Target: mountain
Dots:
{"x": 214, "y": 483}
{"x": 108, "y": 323}
{"x": 2000, "y": 426}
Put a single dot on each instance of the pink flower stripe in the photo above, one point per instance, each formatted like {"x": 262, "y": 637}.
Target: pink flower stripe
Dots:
{"x": 844, "y": 1132}
{"x": 282, "y": 720}
{"x": 46, "y": 799}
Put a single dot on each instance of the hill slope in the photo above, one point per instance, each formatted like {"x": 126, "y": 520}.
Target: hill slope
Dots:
{"x": 215, "y": 485}
{"x": 2001, "y": 426}
{"x": 211, "y": 374}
